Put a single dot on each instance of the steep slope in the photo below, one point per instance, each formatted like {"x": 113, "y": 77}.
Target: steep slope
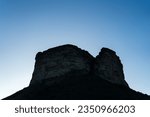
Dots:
{"x": 67, "y": 72}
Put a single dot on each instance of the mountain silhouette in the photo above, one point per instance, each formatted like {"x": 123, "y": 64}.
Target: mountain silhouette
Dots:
{"x": 69, "y": 73}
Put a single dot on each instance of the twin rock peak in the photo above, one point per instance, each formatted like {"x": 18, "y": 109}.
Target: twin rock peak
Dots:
{"x": 70, "y": 60}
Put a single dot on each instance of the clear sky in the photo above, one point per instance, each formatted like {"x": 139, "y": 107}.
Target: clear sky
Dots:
{"x": 30, "y": 26}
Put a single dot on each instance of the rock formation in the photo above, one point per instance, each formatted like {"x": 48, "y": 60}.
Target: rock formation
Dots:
{"x": 71, "y": 60}
{"x": 60, "y": 61}
{"x": 108, "y": 66}
{"x": 68, "y": 72}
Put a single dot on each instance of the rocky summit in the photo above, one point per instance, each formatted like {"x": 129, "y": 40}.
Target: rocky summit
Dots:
{"x": 68, "y": 72}
{"x": 60, "y": 61}
{"x": 71, "y": 60}
{"x": 109, "y": 67}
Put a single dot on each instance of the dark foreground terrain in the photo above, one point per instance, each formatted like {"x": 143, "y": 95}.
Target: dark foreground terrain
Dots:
{"x": 79, "y": 89}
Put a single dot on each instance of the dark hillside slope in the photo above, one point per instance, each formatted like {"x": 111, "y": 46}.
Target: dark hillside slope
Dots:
{"x": 79, "y": 89}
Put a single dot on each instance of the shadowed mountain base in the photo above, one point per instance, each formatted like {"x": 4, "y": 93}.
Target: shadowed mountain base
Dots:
{"x": 93, "y": 88}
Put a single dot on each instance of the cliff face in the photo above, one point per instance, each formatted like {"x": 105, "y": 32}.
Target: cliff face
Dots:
{"x": 68, "y": 72}
{"x": 109, "y": 67}
{"x": 69, "y": 59}
{"x": 60, "y": 61}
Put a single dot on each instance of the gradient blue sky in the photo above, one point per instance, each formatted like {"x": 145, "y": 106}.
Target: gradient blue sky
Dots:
{"x": 30, "y": 26}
